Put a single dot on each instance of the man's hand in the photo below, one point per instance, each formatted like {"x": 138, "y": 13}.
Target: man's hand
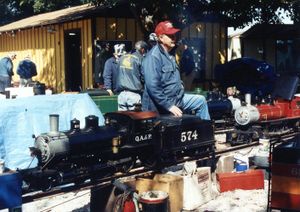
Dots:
{"x": 175, "y": 111}
{"x": 110, "y": 92}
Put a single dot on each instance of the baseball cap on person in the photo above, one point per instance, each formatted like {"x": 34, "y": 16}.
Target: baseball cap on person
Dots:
{"x": 165, "y": 27}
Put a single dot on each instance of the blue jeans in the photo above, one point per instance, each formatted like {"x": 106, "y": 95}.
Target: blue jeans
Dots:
{"x": 197, "y": 103}
{"x": 5, "y": 82}
{"x": 127, "y": 100}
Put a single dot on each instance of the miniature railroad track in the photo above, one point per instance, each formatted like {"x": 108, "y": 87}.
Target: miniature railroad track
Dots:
{"x": 140, "y": 171}
{"x": 30, "y": 197}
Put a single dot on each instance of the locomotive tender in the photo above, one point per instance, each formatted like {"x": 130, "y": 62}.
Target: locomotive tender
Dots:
{"x": 128, "y": 137}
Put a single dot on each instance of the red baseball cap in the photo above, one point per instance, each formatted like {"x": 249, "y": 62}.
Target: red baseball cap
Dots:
{"x": 165, "y": 27}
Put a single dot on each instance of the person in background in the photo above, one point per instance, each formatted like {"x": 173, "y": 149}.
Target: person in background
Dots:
{"x": 152, "y": 40}
{"x": 6, "y": 71}
{"x": 111, "y": 69}
{"x": 26, "y": 70}
{"x": 187, "y": 65}
{"x": 130, "y": 80}
{"x": 102, "y": 55}
{"x": 164, "y": 91}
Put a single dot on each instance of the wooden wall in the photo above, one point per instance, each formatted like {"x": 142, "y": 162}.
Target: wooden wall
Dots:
{"x": 215, "y": 35}
{"x": 118, "y": 29}
{"x": 45, "y": 45}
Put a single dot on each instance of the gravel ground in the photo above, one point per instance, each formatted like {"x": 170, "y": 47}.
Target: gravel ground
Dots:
{"x": 232, "y": 201}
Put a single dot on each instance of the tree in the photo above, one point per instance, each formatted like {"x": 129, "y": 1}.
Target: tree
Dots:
{"x": 8, "y": 11}
{"x": 236, "y": 13}
{"x": 41, "y": 6}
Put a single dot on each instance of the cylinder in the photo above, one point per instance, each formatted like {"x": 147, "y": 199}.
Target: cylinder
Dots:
{"x": 248, "y": 98}
{"x": 54, "y": 124}
{"x": 154, "y": 201}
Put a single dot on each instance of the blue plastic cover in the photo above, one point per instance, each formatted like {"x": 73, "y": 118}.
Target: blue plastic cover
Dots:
{"x": 10, "y": 190}
{"x": 21, "y": 118}
{"x": 248, "y": 75}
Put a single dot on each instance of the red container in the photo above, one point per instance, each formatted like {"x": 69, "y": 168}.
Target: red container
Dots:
{"x": 248, "y": 180}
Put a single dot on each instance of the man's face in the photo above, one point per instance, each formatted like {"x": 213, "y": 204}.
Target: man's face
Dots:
{"x": 142, "y": 51}
{"x": 168, "y": 41}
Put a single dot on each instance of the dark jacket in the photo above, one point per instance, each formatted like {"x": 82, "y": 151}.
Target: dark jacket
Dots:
{"x": 110, "y": 73}
{"x": 6, "y": 67}
{"x": 26, "y": 69}
{"x": 187, "y": 63}
{"x": 129, "y": 74}
{"x": 163, "y": 86}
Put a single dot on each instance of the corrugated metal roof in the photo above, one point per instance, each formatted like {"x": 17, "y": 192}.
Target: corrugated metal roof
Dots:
{"x": 58, "y": 16}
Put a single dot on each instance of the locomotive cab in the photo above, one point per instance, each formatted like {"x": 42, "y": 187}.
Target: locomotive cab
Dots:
{"x": 135, "y": 128}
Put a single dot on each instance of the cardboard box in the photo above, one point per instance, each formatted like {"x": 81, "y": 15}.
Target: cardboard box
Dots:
{"x": 225, "y": 164}
{"x": 171, "y": 184}
{"x": 248, "y": 180}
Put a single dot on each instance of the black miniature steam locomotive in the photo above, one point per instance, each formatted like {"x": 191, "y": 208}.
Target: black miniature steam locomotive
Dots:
{"x": 126, "y": 139}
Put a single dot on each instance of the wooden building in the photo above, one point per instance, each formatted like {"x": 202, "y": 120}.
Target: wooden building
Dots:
{"x": 277, "y": 44}
{"x": 61, "y": 43}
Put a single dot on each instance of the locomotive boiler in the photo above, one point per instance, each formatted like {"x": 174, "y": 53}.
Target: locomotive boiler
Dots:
{"x": 220, "y": 106}
{"x": 127, "y": 139}
{"x": 221, "y": 109}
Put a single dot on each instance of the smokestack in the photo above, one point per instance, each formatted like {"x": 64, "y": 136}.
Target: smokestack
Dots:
{"x": 248, "y": 98}
{"x": 54, "y": 123}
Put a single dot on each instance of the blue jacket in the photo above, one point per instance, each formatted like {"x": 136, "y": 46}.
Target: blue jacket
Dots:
{"x": 110, "y": 73}
{"x": 26, "y": 69}
{"x": 163, "y": 86}
{"x": 129, "y": 74}
{"x": 6, "y": 67}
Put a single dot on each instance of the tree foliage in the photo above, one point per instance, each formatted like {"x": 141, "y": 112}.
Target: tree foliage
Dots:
{"x": 13, "y": 10}
{"x": 236, "y": 13}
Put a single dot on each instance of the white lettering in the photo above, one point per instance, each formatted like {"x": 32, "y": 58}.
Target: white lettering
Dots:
{"x": 145, "y": 137}
{"x": 189, "y": 136}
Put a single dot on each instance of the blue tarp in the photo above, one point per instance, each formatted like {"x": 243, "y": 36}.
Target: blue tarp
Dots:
{"x": 248, "y": 75}
{"x": 21, "y": 118}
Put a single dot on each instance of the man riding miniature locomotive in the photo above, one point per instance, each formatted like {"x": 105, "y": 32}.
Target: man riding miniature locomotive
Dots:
{"x": 164, "y": 91}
